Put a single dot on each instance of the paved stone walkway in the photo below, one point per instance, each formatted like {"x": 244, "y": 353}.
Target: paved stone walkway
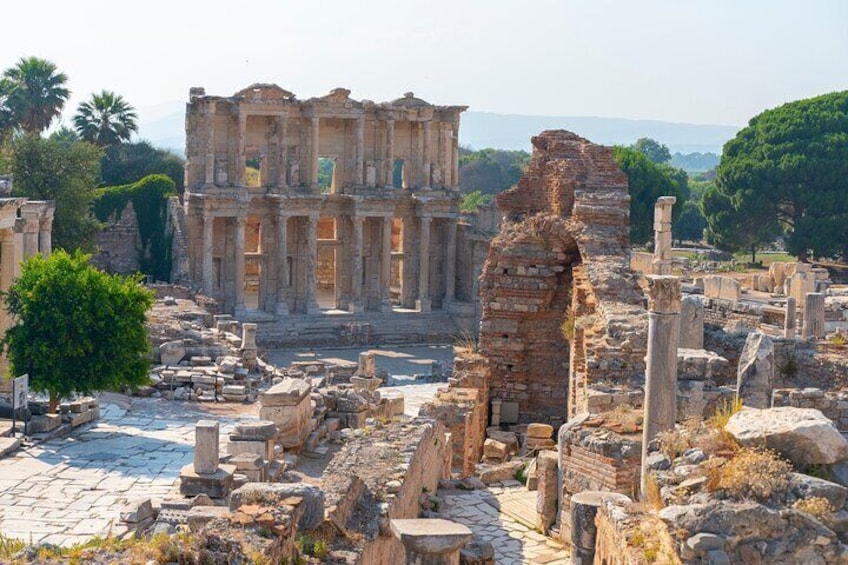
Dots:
{"x": 515, "y": 542}
{"x": 66, "y": 490}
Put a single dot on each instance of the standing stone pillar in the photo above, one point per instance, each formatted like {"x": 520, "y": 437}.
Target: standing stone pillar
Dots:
{"x": 425, "y": 160}
{"x": 45, "y": 236}
{"x": 311, "y": 266}
{"x": 239, "y": 265}
{"x": 813, "y": 316}
{"x": 356, "y": 305}
{"x": 390, "y": 152}
{"x": 584, "y": 532}
{"x": 241, "y": 158}
{"x": 359, "y": 170}
{"x": 206, "y": 252}
{"x": 662, "y": 235}
{"x": 30, "y": 239}
{"x": 455, "y": 155}
{"x": 661, "y": 372}
{"x": 282, "y": 308}
{"x": 423, "y": 302}
{"x": 206, "y": 447}
{"x": 282, "y": 149}
{"x": 313, "y": 169}
{"x": 755, "y": 373}
{"x": 445, "y": 154}
{"x": 210, "y": 143}
{"x": 692, "y": 323}
{"x": 789, "y": 320}
{"x": 431, "y": 541}
{"x": 386, "y": 266}
{"x": 450, "y": 262}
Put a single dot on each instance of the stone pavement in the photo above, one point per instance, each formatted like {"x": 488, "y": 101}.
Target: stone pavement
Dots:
{"x": 67, "y": 490}
{"x": 497, "y": 515}
{"x": 399, "y": 360}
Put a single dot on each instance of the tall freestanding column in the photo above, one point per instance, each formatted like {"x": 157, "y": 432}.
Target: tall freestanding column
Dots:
{"x": 282, "y": 264}
{"x": 425, "y": 160}
{"x": 313, "y": 170}
{"x": 386, "y": 266}
{"x": 662, "y": 235}
{"x": 356, "y": 305}
{"x": 390, "y": 152}
{"x": 813, "y": 316}
{"x": 450, "y": 261}
{"x": 207, "y": 252}
{"x": 239, "y": 265}
{"x": 661, "y": 372}
{"x": 423, "y": 302}
{"x": 789, "y": 321}
{"x": 311, "y": 266}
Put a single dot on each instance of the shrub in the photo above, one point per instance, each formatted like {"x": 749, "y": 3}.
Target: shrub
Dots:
{"x": 673, "y": 443}
{"x": 754, "y": 473}
{"x": 817, "y": 506}
{"x": 724, "y": 411}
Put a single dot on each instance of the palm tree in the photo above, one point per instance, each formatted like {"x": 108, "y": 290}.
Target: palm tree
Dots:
{"x": 35, "y": 93}
{"x": 106, "y": 119}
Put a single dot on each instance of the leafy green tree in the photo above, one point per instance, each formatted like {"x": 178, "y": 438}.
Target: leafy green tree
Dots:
{"x": 734, "y": 229}
{"x": 472, "y": 201}
{"x": 690, "y": 225}
{"x": 106, "y": 119}
{"x": 127, "y": 163}
{"x": 655, "y": 151}
{"x": 51, "y": 169}
{"x": 490, "y": 170}
{"x": 789, "y": 166}
{"x": 35, "y": 93}
{"x": 648, "y": 181}
{"x": 77, "y": 329}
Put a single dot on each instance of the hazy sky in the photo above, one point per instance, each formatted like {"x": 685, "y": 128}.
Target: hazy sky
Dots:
{"x": 701, "y": 61}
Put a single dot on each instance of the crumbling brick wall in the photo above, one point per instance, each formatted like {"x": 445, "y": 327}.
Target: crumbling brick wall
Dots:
{"x": 562, "y": 257}
{"x": 117, "y": 243}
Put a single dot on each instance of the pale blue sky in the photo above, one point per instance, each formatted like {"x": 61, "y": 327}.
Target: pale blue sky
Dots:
{"x": 700, "y": 61}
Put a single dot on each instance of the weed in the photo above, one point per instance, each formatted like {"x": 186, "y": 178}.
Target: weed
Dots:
{"x": 753, "y": 473}
{"x": 724, "y": 411}
{"x": 838, "y": 339}
{"x": 10, "y": 546}
{"x": 521, "y": 474}
{"x": 817, "y": 506}
{"x": 652, "y": 493}
{"x": 673, "y": 443}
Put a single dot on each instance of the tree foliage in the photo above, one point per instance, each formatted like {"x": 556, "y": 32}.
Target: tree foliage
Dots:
{"x": 690, "y": 224}
{"x": 472, "y": 201}
{"x": 33, "y": 93}
{"x": 648, "y": 181}
{"x": 789, "y": 169}
{"x": 77, "y": 329}
{"x": 54, "y": 169}
{"x": 655, "y": 151}
{"x": 127, "y": 163}
{"x": 490, "y": 170}
{"x": 106, "y": 119}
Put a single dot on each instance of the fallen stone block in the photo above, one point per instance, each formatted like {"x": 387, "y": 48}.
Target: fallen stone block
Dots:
{"x": 138, "y": 511}
{"x": 494, "y": 449}
{"x": 493, "y": 473}
{"x": 271, "y": 493}
{"x": 198, "y": 516}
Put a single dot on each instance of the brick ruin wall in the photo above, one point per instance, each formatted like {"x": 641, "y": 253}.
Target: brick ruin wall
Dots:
{"x": 561, "y": 258}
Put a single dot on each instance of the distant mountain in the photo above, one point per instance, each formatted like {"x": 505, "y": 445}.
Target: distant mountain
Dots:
{"x": 164, "y": 126}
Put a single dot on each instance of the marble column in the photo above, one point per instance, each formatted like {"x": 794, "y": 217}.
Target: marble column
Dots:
{"x": 359, "y": 169}
{"x": 386, "y": 266}
{"x": 282, "y": 149}
{"x": 210, "y": 143}
{"x": 45, "y": 237}
{"x": 312, "y": 306}
{"x": 455, "y": 156}
{"x": 450, "y": 262}
{"x": 446, "y": 154}
{"x": 241, "y": 158}
{"x": 313, "y": 170}
{"x": 423, "y": 302}
{"x": 662, "y": 235}
{"x": 661, "y": 372}
{"x": 813, "y": 316}
{"x": 240, "y": 222}
{"x": 282, "y": 264}
{"x": 789, "y": 319}
{"x": 206, "y": 253}
{"x": 356, "y": 304}
{"x": 30, "y": 239}
{"x": 431, "y": 541}
{"x": 425, "y": 158}
{"x": 390, "y": 152}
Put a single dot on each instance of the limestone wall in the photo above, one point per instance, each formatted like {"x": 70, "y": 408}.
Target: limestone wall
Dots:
{"x": 117, "y": 244}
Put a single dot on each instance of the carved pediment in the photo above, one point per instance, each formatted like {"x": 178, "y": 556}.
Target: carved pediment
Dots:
{"x": 260, "y": 92}
{"x": 410, "y": 101}
{"x": 337, "y": 95}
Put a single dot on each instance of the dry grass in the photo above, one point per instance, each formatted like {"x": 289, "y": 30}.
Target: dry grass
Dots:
{"x": 724, "y": 412}
{"x": 817, "y": 506}
{"x": 653, "y": 542}
{"x": 673, "y": 442}
{"x": 757, "y": 474}
{"x": 653, "y": 498}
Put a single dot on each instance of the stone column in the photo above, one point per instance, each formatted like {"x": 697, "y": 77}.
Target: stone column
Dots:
{"x": 450, "y": 262}
{"x": 661, "y": 372}
{"x": 584, "y": 509}
{"x": 282, "y": 149}
{"x": 313, "y": 170}
{"x": 210, "y": 143}
{"x": 390, "y": 152}
{"x": 813, "y": 316}
{"x": 662, "y": 235}
{"x": 239, "y": 265}
{"x": 282, "y": 264}
{"x": 30, "y": 239}
{"x": 45, "y": 236}
{"x": 446, "y": 155}
{"x": 431, "y": 541}
{"x": 455, "y": 155}
{"x": 206, "y": 253}
{"x": 356, "y": 305}
{"x": 386, "y": 266}
{"x": 425, "y": 157}
{"x": 423, "y": 302}
{"x": 241, "y": 157}
{"x": 206, "y": 447}
{"x": 311, "y": 266}
{"x": 359, "y": 170}
{"x": 789, "y": 320}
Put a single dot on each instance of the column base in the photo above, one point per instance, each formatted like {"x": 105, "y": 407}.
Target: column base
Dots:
{"x": 282, "y": 309}
{"x": 423, "y": 304}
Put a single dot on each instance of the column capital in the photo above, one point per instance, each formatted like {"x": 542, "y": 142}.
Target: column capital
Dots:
{"x": 241, "y": 220}
{"x": 664, "y": 294}
{"x": 358, "y": 219}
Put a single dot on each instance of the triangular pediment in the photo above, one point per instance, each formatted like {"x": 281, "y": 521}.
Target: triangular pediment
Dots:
{"x": 263, "y": 91}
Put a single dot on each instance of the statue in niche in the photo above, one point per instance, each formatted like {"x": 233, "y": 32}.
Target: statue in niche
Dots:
{"x": 370, "y": 174}
{"x": 220, "y": 172}
{"x": 436, "y": 177}
{"x": 294, "y": 173}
